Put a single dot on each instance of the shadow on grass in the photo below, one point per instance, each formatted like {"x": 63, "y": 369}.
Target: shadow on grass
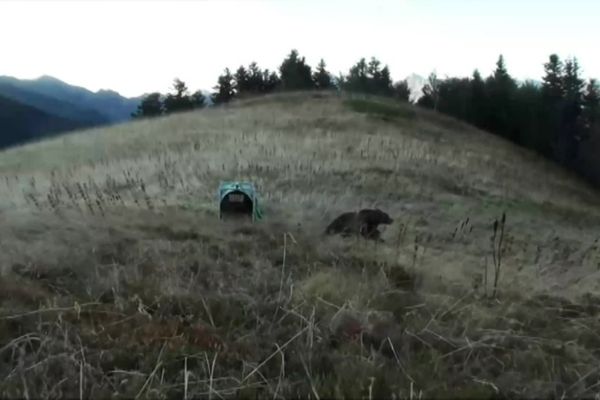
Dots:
{"x": 385, "y": 111}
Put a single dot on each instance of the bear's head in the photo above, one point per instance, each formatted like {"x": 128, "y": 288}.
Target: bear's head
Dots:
{"x": 376, "y": 216}
{"x": 383, "y": 217}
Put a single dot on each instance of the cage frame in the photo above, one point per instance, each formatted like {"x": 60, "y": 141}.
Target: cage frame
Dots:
{"x": 248, "y": 189}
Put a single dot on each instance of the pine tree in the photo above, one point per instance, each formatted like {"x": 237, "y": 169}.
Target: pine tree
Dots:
{"x": 552, "y": 87}
{"x": 242, "y": 81}
{"x": 224, "y": 89}
{"x": 553, "y": 93}
{"x": 357, "y": 79}
{"x": 426, "y": 99}
{"x": 500, "y": 73}
{"x": 571, "y": 126}
{"x": 295, "y": 73}
{"x": 478, "y": 109}
{"x": 590, "y": 162}
{"x": 454, "y": 97}
{"x": 370, "y": 78}
{"x": 180, "y": 100}
{"x": 401, "y": 90}
{"x": 383, "y": 84}
{"x": 322, "y": 77}
{"x": 373, "y": 76}
{"x": 431, "y": 92}
{"x": 270, "y": 80}
{"x": 181, "y": 89}
{"x": 527, "y": 116}
{"x": 571, "y": 81}
{"x": 255, "y": 78}
{"x": 591, "y": 104}
{"x": 150, "y": 106}
{"x": 500, "y": 88}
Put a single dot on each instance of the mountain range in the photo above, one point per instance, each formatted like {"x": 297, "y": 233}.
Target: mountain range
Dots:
{"x": 31, "y": 108}
{"x": 21, "y": 123}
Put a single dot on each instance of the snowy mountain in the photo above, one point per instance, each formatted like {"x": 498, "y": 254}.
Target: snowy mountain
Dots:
{"x": 415, "y": 84}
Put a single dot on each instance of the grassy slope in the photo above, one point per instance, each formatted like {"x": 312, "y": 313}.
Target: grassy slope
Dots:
{"x": 116, "y": 275}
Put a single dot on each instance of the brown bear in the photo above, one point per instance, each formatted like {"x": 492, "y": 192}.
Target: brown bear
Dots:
{"x": 364, "y": 223}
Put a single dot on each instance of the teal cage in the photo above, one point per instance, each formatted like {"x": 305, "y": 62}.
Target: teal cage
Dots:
{"x": 238, "y": 199}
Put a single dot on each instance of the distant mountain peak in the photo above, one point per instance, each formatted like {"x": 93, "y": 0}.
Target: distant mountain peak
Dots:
{"x": 48, "y": 78}
{"x": 110, "y": 93}
{"x": 415, "y": 83}
{"x": 55, "y": 96}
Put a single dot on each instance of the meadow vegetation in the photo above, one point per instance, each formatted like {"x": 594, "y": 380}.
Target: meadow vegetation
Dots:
{"x": 118, "y": 280}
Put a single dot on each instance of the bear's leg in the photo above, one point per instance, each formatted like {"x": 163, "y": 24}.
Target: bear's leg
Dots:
{"x": 367, "y": 230}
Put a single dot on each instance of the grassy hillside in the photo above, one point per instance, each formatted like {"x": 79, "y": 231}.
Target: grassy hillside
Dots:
{"x": 118, "y": 280}
{"x": 20, "y": 123}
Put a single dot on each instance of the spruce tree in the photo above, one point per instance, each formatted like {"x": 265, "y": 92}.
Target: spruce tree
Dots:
{"x": 591, "y": 112}
{"x": 591, "y": 104}
{"x": 255, "y": 78}
{"x": 373, "y": 76}
{"x": 242, "y": 81}
{"x": 295, "y": 73}
{"x": 527, "y": 116}
{"x": 478, "y": 109}
{"x": 322, "y": 77}
{"x": 401, "y": 91}
{"x": 431, "y": 91}
{"x": 180, "y": 100}
{"x": 553, "y": 94}
{"x": 357, "y": 79}
{"x": 552, "y": 87}
{"x": 454, "y": 97}
{"x": 571, "y": 125}
{"x": 500, "y": 88}
{"x": 383, "y": 84}
{"x": 224, "y": 89}
{"x": 571, "y": 81}
{"x": 150, "y": 106}
{"x": 270, "y": 80}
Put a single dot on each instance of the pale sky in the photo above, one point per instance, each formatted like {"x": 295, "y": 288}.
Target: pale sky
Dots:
{"x": 138, "y": 46}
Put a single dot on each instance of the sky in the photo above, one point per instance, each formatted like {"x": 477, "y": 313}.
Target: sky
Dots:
{"x": 137, "y": 46}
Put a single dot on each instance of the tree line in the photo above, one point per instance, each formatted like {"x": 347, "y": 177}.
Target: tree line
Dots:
{"x": 180, "y": 99}
{"x": 559, "y": 118}
{"x": 293, "y": 74}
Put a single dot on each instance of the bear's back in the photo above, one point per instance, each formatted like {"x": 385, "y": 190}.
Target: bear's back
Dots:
{"x": 346, "y": 222}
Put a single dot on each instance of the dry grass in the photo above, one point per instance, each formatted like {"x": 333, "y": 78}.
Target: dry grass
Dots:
{"x": 117, "y": 280}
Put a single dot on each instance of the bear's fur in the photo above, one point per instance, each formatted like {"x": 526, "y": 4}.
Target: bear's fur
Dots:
{"x": 345, "y": 224}
{"x": 364, "y": 223}
{"x": 370, "y": 221}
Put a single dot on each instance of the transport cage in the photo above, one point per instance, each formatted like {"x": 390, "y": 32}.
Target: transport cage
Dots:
{"x": 238, "y": 199}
